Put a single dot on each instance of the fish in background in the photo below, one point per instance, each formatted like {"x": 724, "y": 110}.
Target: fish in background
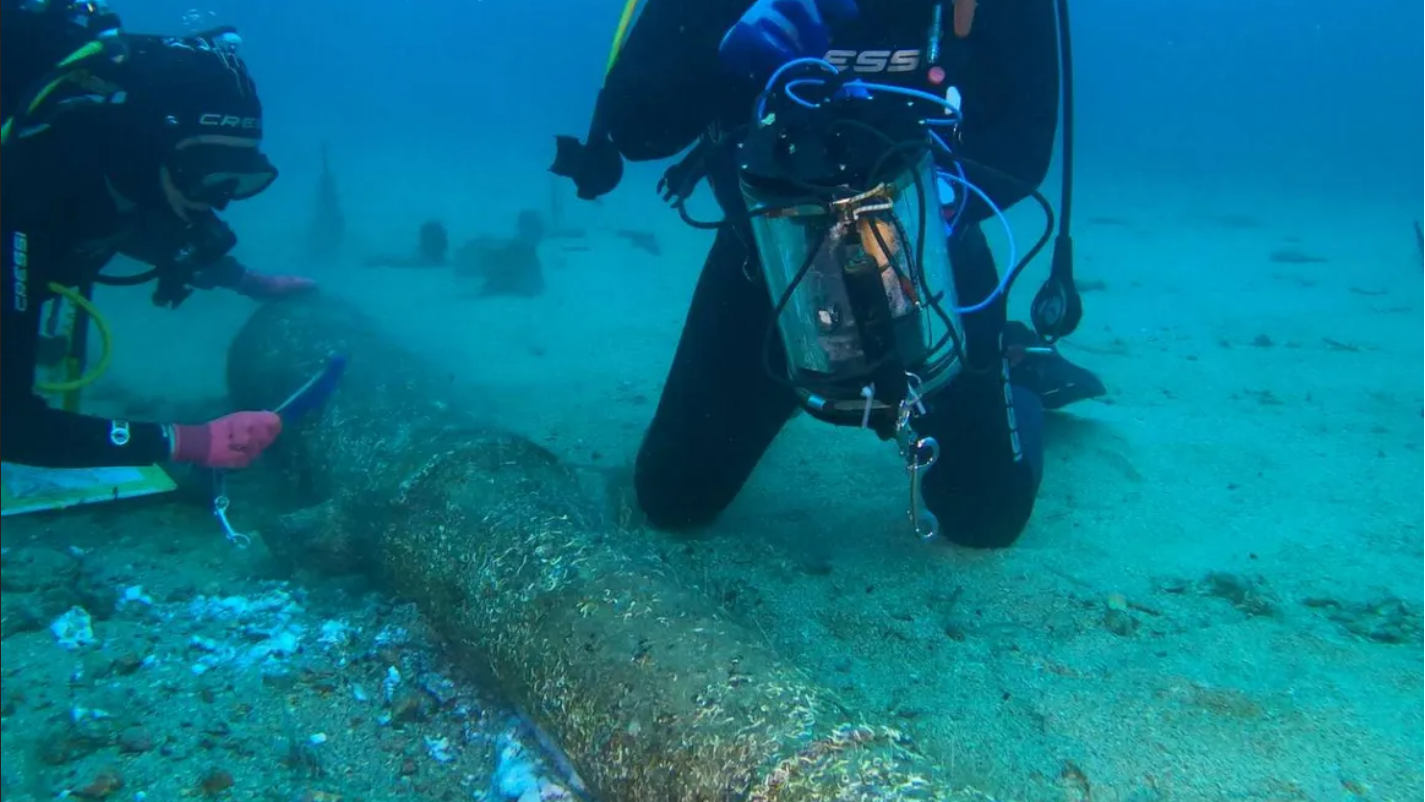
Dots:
{"x": 328, "y": 226}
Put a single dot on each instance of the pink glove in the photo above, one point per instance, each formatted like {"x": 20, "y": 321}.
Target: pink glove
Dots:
{"x": 265, "y": 287}
{"x": 232, "y": 441}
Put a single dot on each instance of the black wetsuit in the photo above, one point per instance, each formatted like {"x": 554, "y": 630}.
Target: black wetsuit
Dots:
{"x": 61, "y": 224}
{"x": 720, "y": 410}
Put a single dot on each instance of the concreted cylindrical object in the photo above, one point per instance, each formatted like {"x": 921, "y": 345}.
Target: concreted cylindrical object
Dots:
{"x": 652, "y": 694}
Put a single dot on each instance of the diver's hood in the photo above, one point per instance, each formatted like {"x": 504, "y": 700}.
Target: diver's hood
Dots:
{"x": 191, "y": 106}
{"x": 185, "y": 87}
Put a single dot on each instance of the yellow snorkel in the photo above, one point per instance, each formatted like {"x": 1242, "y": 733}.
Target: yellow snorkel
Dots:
{"x": 625, "y": 20}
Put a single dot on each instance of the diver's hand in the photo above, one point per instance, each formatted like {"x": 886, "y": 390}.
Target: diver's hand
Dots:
{"x": 774, "y": 32}
{"x": 232, "y": 441}
{"x": 679, "y": 180}
{"x": 264, "y": 287}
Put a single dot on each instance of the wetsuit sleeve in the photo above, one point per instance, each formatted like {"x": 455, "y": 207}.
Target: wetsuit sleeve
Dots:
{"x": 31, "y": 432}
{"x": 667, "y": 85}
{"x": 1011, "y": 99}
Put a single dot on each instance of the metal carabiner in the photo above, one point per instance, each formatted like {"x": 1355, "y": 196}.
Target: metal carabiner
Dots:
{"x": 919, "y": 453}
{"x": 922, "y": 520}
{"x": 220, "y": 511}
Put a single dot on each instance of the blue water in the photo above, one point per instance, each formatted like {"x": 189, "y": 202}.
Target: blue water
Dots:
{"x": 1299, "y": 96}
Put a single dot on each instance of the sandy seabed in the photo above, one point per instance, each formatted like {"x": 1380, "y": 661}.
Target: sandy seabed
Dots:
{"x": 1218, "y": 598}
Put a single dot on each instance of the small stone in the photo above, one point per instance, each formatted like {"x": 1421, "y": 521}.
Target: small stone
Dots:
{"x": 104, "y": 783}
{"x": 127, "y": 663}
{"x": 1117, "y": 617}
{"x": 215, "y": 781}
{"x": 92, "y": 731}
{"x": 1120, "y": 622}
{"x": 1250, "y": 595}
{"x": 910, "y": 712}
{"x": 1354, "y": 787}
{"x": 135, "y": 740}
{"x": 1074, "y": 783}
{"x": 409, "y": 707}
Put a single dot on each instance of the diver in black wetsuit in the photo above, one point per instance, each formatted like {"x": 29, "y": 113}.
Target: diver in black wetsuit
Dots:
{"x": 127, "y": 144}
{"x": 685, "y": 76}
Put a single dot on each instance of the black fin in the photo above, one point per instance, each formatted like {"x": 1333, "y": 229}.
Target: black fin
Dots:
{"x": 568, "y": 156}
{"x": 1048, "y": 374}
{"x": 596, "y": 167}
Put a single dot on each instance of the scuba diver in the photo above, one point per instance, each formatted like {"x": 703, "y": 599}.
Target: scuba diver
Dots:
{"x": 116, "y": 142}
{"x": 855, "y": 147}
{"x": 506, "y": 265}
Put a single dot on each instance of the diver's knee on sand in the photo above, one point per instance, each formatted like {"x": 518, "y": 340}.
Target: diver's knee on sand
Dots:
{"x": 986, "y": 500}
{"x": 675, "y": 494}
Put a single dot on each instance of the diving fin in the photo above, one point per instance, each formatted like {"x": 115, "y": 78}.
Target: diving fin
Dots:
{"x": 1039, "y": 367}
{"x": 568, "y": 154}
{"x": 596, "y": 166}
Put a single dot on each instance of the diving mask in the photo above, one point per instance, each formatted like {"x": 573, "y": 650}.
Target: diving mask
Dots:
{"x": 217, "y": 170}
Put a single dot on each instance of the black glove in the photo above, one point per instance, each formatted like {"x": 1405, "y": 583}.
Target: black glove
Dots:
{"x": 207, "y": 240}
